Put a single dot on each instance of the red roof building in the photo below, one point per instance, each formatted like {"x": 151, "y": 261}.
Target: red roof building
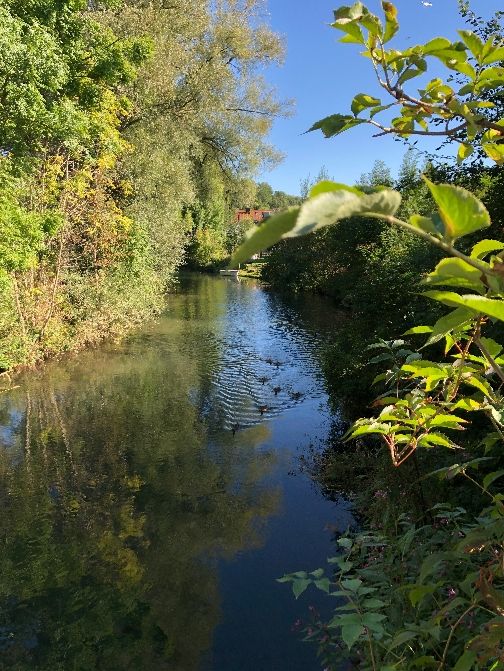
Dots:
{"x": 256, "y": 215}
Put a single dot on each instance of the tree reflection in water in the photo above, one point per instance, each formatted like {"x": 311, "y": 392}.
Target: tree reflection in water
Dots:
{"x": 116, "y": 504}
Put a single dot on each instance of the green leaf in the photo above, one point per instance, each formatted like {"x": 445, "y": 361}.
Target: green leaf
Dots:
{"x": 493, "y": 74}
{"x": 430, "y": 439}
{"x": 352, "y": 585}
{"x": 419, "y": 592}
{"x": 450, "y": 268}
{"x": 374, "y": 603}
{"x": 380, "y": 108}
{"x": 472, "y": 42}
{"x": 262, "y": 237}
{"x": 466, "y": 69}
{"x": 424, "y": 223}
{"x": 484, "y": 247}
{"x": 448, "y": 323}
{"x": 391, "y": 22}
{"x": 328, "y": 208}
{"x": 401, "y": 638}
{"x": 366, "y": 429}
{"x": 464, "y": 151}
{"x": 323, "y": 584}
{"x": 299, "y": 586}
{"x": 410, "y": 73}
{"x": 461, "y": 212}
{"x": 335, "y": 124}
{"x": 466, "y": 662}
{"x": 373, "y": 621}
{"x": 437, "y": 44}
{"x": 494, "y": 348}
{"x": 491, "y": 477}
{"x": 418, "y": 329}
{"x": 362, "y": 101}
{"x": 350, "y": 633}
{"x": 349, "y": 26}
{"x": 478, "y": 304}
{"x": 494, "y": 151}
{"x": 326, "y": 186}
{"x": 482, "y": 385}
{"x": 496, "y": 55}
{"x": 447, "y": 421}
{"x": 349, "y": 13}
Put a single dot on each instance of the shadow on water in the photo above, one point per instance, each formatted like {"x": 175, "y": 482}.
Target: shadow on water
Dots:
{"x": 148, "y": 501}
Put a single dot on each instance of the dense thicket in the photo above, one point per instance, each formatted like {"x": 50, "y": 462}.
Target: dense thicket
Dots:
{"x": 126, "y": 130}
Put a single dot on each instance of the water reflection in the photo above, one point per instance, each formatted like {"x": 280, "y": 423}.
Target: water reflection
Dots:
{"x": 123, "y": 486}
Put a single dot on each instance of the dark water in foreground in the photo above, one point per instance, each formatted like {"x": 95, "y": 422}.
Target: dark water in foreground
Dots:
{"x": 136, "y": 531}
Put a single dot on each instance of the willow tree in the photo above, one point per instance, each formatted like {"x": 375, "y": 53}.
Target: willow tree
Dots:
{"x": 200, "y": 112}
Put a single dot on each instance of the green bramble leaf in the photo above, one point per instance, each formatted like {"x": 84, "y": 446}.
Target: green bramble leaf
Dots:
{"x": 491, "y": 477}
{"x": 335, "y": 202}
{"x": 402, "y": 637}
{"x": 330, "y": 207}
{"x": 461, "y": 212}
{"x": 299, "y": 586}
{"x": 455, "y": 272}
{"x": 350, "y": 634}
{"x": 466, "y": 661}
{"x": 352, "y": 585}
{"x": 425, "y": 224}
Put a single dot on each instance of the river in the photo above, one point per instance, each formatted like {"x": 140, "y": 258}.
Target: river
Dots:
{"x": 152, "y": 493}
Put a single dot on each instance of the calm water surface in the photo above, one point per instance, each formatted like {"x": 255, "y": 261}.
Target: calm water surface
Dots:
{"x": 148, "y": 505}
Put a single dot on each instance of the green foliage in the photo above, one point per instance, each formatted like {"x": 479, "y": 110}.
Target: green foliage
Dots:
{"x": 438, "y": 102}
{"x": 128, "y": 131}
{"x": 426, "y": 592}
{"x": 432, "y": 598}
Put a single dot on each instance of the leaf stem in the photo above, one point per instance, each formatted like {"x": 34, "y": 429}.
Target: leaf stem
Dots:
{"x": 450, "y": 636}
{"x": 495, "y": 366}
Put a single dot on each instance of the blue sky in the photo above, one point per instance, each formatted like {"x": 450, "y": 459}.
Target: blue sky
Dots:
{"x": 323, "y": 75}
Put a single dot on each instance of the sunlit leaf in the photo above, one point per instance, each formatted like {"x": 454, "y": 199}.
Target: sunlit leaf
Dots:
{"x": 391, "y": 22}
{"x": 326, "y": 186}
{"x": 478, "y": 304}
{"x": 460, "y": 210}
{"x": 362, "y": 101}
{"x": 448, "y": 323}
{"x": 336, "y": 124}
{"x": 464, "y": 151}
{"x": 472, "y": 42}
{"x": 484, "y": 247}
